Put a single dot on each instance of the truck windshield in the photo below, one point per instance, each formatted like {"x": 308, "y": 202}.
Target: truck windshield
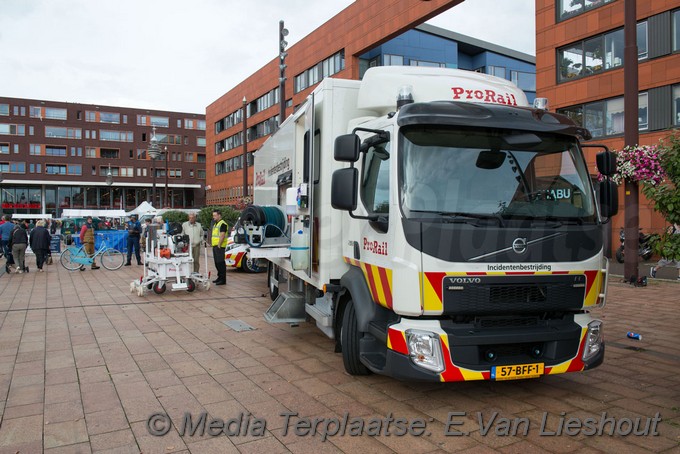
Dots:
{"x": 449, "y": 173}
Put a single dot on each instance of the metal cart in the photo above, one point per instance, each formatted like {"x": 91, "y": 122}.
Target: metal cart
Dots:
{"x": 168, "y": 262}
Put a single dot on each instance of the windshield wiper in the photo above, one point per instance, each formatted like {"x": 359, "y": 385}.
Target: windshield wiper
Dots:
{"x": 554, "y": 221}
{"x": 457, "y": 216}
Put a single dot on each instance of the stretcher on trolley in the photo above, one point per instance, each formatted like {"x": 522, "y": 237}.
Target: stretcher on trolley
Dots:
{"x": 168, "y": 262}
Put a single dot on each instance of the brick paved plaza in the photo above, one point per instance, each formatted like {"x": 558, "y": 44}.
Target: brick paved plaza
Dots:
{"x": 84, "y": 363}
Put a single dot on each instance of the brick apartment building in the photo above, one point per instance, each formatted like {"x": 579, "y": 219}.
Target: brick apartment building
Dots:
{"x": 56, "y": 155}
{"x": 366, "y": 33}
{"x": 579, "y": 68}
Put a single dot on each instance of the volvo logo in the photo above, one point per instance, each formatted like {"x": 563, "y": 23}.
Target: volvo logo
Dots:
{"x": 465, "y": 280}
{"x": 519, "y": 245}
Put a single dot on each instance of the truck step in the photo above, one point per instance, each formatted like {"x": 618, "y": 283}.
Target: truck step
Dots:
{"x": 287, "y": 308}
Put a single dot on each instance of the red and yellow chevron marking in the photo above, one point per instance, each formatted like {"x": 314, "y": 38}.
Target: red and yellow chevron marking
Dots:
{"x": 379, "y": 281}
{"x": 237, "y": 258}
{"x": 433, "y": 288}
{"x": 396, "y": 340}
{"x": 573, "y": 365}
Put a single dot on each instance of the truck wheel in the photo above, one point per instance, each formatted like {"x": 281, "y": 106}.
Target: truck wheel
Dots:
{"x": 349, "y": 338}
{"x": 249, "y": 265}
{"x": 272, "y": 281}
{"x": 191, "y": 286}
{"x": 619, "y": 255}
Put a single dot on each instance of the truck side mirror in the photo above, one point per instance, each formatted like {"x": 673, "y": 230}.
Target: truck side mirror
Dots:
{"x": 346, "y": 148}
{"x": 606, "y": 163}
{"x": 344, "y": 189}
{"x": 609, "y": 198}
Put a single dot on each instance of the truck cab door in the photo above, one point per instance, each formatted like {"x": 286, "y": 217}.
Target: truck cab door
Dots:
{"x": 377, "y": 181}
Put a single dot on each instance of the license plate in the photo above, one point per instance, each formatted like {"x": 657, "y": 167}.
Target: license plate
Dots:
{"x": 517, "y": 371}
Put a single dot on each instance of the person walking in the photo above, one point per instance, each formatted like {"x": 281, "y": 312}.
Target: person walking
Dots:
{"x": 134, "y": 229}
{"x": 19, "y": 241}
{"x": 194, "y": 231}
{"x": 673, "y": 230}
{"x": 40, "y": 244}
{"x": 5, "y": 235}
{"x": 218, "y": 240}
{"x": 87, "y": 240}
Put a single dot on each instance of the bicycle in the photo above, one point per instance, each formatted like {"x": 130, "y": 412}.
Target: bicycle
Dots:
{"x": 74, "y": 257}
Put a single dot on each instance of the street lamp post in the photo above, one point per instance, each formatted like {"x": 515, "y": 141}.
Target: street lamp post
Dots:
{"x": 1, "y": 195}
{"x": 283, "y": 32}
{"x": 154, "y": 151}
{"x": 245, "y": 149}
{"x": 165, "y": 194}
{"x": 109, "y": 182}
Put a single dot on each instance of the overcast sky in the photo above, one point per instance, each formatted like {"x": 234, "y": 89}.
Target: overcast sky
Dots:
{"x": 181, "y": 55}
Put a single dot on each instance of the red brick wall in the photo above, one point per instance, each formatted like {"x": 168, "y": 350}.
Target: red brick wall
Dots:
{"x": 551, "y": 35}
{"x": 359, "y": 27}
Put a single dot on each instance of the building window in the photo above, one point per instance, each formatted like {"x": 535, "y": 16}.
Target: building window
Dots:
{"x": 331, "y": 65}
{"x": 53, "y": 150}
{"x": 642, "y": 40}
{"x": 4, "y": 109}
{"x": 433, "y": 64}
{"x": 4, "y": 148}
{"x": 393, "y": 60}
{"x": 52, "y": 113}
{"x": 52, "y": 169}
{"x": 109, "y": 117}
{"x": 12, "y": 130}
{"x": 498, "y": 71}
{"x": 200, "y": 158}
{"x": 13, "y": 167}
{"x": 676, "y": 30}
{"x": 35, "y": 149}
{"x": 115, "y": 136}
{"x": 597, "y": 54}
{"x": 606, "y": 118}
{"x": 525, "y": 81}
{"x": 676, "y": 105}
{"x": 570, "y": 8}
{"x": 63, "y": 133}
{"x": 200, "y": 174}
{"x": 90, "y": 152}
{"x": 108, "y": 153}
{"x": 74, "y": 169}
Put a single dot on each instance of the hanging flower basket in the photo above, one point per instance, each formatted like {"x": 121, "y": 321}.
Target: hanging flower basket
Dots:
{"x": 639, "y": 164}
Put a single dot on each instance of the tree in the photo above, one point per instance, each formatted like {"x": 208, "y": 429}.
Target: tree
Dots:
{"x": 666, "y": 197}
{"x": 175, "y": 216}
{"x": 229, "y": 215}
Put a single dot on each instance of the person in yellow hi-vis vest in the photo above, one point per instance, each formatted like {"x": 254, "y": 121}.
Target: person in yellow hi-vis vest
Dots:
{"x": 218, "y": 240}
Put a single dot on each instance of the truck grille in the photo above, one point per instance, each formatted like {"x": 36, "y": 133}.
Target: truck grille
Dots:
{"x": 513, "y": 294}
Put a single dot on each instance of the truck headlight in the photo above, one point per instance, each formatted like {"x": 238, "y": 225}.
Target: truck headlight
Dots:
{"x": 594, "y": 339}
{"x": 425, "y": 350}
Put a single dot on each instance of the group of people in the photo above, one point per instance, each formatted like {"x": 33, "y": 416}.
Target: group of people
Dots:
{"x": 15, "y": 239}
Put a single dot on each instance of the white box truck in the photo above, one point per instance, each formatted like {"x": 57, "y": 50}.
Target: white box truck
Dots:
{"x": 434, "y": 225}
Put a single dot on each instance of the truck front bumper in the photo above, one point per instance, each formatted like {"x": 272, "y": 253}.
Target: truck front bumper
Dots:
{"x": 459, "y": 354}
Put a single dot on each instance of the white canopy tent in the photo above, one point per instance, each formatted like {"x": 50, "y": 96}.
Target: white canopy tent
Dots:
{"x": 82, "y": 213}
{"x": 143, "y": 208}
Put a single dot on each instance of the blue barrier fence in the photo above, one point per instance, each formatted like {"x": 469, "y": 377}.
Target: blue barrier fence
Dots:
{"x": 116, "y": 239}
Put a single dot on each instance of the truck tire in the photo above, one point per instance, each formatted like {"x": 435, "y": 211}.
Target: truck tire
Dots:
{"x": 349, "y": 338}
{"x": 249, "y": 265}
{"x": 271, "y": 281}
{"x": 619, "y": 255}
